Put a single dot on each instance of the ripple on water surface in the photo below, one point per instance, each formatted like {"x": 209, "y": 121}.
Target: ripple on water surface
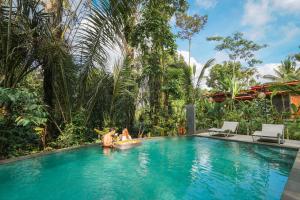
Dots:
{"x": 173, "y": 168}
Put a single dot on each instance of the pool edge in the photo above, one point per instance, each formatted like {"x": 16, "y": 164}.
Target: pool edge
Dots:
{"x": 44, "y": 153}
{"x": 249, "y": 142}
{"x": 292, "y": 187}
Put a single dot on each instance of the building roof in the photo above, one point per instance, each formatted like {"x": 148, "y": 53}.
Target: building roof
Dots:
{"x": 253, "y": 91}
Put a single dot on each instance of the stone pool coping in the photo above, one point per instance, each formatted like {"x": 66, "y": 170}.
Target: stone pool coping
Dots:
{"x": 43, "y": 153}
{"x": 292, "y": 187}
{"x": 290, "y": 144}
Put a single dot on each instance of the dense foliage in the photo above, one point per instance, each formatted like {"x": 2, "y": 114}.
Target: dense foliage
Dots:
{"x": 221, "y": 75}
{"x": 22, "y": 119}
{"x": 67, "y": 67}
{"x": 237, "y": 74}
{"x": 58, "y": 81}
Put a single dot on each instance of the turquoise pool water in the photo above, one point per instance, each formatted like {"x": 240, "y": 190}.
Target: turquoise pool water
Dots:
{"x": 173, "y": 168}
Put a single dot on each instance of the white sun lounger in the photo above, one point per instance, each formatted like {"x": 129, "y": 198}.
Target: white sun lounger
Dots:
{"x": 226, "y": 130}
{"x": 271, "y": 131}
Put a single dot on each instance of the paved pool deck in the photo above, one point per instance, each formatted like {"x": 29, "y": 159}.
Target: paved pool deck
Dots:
{"x": 295, "y": 144}
{"x": 292, "y": 187}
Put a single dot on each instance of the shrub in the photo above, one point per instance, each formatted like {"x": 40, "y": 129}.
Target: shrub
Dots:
{"x": 76, "y": 133}
{"x": 21, "y": 112}
{"x": 250, "y": 114}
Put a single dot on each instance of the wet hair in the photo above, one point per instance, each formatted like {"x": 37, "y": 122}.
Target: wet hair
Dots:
{"x": 125, "y": 132}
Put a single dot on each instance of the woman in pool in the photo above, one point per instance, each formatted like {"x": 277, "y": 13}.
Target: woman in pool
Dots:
{"x": 125, "y": 135}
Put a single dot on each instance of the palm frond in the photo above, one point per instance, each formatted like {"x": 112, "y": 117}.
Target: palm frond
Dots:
{"x": 271, "y": 77}
{"x": 208, "y": 64}
{"x": 98, "y": 36}
{"x": 125, "y": 91}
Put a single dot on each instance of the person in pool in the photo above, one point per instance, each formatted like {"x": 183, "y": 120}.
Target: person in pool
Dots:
{"x": 108, "y": 138}
{"x": 125, "y": 135}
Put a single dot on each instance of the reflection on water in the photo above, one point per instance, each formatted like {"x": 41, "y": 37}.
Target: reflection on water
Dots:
{"x": 144, "y": 163}
{"x": 254, "y": 171}
{"x": 106, "y": 151}
{"x": 174, "y": 168}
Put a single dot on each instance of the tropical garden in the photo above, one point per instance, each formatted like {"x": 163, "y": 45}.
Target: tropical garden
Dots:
{"x": 68, "y": 67}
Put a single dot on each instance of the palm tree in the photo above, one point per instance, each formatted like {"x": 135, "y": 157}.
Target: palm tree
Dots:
{"x": 287, "y": 71}
{"x": 30, "y": 42}
{"x": 113, "y": 94}
{"x": 295, "y": 90}
{"x": 102, "y": 32}
{"x": 21, "y": 31}
{"x": 32, "y": 46}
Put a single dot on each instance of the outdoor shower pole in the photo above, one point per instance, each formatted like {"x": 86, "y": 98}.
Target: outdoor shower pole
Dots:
{"x": 190, "y": 119}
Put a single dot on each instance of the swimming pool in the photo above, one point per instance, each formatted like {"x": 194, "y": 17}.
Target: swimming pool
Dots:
{"x": 170, "y": 168}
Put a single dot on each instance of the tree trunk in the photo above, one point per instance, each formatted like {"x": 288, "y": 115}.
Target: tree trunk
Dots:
{"x": 48, "y": 82}
{"x": 49, "y": 99}
{"x": 189, "y": 52}
{"x": 6, "y": 71}
{"x": 58, "y": 13}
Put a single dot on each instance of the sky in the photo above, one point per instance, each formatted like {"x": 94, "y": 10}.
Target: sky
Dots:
{"x": 272, "y": 22}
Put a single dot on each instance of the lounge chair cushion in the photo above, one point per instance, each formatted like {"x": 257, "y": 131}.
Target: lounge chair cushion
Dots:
{"x": 266, "y": 134}
{"x": 216, "y": 130}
